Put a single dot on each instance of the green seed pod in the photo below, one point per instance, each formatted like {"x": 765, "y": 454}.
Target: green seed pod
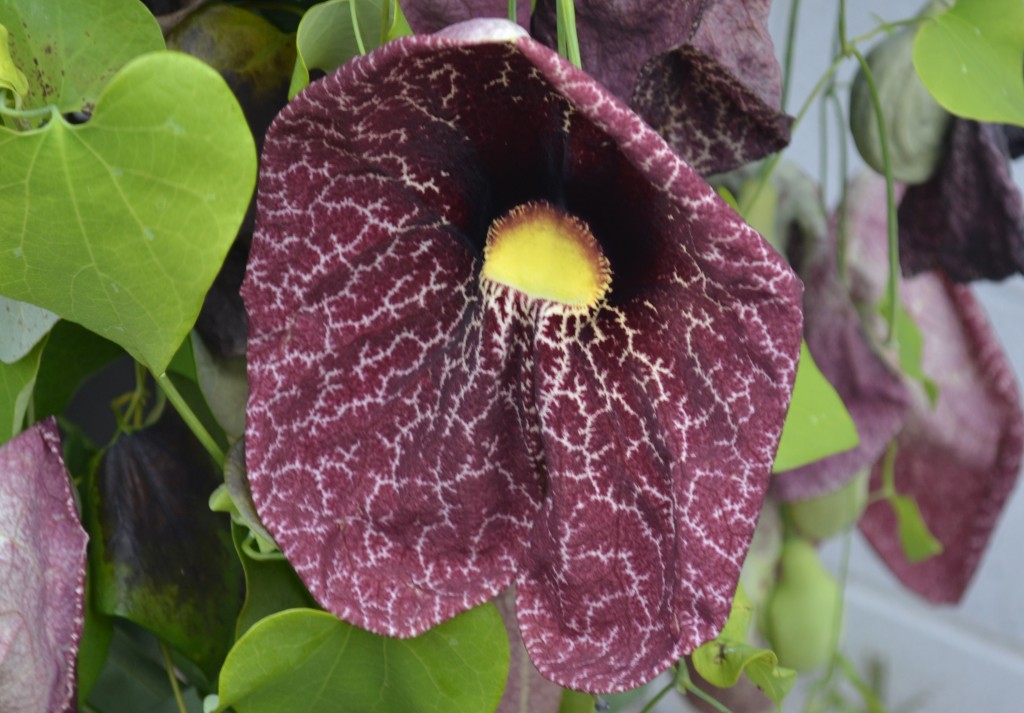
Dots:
{"x": 915, "y": 124}
{"x": 802, "y": 609}
{"x": 832, "y": 514}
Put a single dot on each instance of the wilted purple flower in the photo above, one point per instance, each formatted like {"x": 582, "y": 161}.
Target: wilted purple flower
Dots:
{"x": 958, "y": 459}
{"x": 703, "y": 73}
{"x": 427, "y": 426}
{"x": 968, "y": 219}
{"x": 42, "y": 590}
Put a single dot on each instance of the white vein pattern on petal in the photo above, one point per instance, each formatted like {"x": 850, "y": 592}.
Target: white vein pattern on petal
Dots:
{"x": 436, "y": 413}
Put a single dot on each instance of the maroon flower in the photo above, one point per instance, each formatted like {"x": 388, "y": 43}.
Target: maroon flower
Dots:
{"x": 42, "y": 590}
{"x": 425, "y": 429}
{"x": 701, "y": 72}
{"x": 958, "y": 459}
{"x": 968, "y": 219}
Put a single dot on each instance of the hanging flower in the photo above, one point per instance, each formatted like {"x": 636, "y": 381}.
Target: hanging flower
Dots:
{"x": 968, "y": 219}
{"x": 703, "y": 73}
{"x": 501, "y": 333}
{"x": 958, "y": 459}
{"x": 42, "y": 591}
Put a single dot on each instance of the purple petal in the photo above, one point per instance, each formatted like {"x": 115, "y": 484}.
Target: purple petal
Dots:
{"x": 960, "y": 461}
{"x": 42, "y": 591}
{"x": 735, "y": 33}
{"x": 713, "y": 119}
{"x": 618, "y": 37}
{"x": 871, "y": 389}
{"x": 409, "y": 432}
{"x": 715, "y": 98}
{"x": 968, "y": 219}
{"x": 703, "y": 73}
{"x": 657, "y": 433}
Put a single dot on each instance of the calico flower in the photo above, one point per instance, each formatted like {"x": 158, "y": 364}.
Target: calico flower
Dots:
{"x": 958, "y": 457}
{"x": 501, "y": 334}
{"x": 42, "y": 591}
{"x": 968, "y": 218}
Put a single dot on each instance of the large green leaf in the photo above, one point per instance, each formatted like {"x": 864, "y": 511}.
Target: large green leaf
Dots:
{"x": 576, "y": 702}
{"x": 817, "y": 424}
{"x": 16, "y": 382}
{"x": 121, "y": 223}
{"x": 134, "y": 680}
{"x": 331, "y": 33}
{"x": 72, "y": 353}
{"x": 460, "y": 665}
{"x": 69, "y": 49}
{"x": 971, "y": 59}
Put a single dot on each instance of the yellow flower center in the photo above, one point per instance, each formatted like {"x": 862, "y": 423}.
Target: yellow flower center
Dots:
{"x": 547, "y": 254}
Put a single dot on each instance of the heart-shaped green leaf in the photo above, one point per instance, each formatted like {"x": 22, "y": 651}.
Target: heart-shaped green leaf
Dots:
{"x": 72, "y": 353}
{"x": 70, "y": 49}
{"x": 460, "y": 665}
{"x": 970, "y": 59}
{"x": 817, "y": 424}
{"x": 121, "y": 223}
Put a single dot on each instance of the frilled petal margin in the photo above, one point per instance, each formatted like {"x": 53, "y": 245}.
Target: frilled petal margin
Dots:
{"x": 968, "y": 219}
{"x": 419, "y": 439}
{"x": 960, "y": 460}
{"x": 42, "y": 556}
{"x": 873, "y": 392}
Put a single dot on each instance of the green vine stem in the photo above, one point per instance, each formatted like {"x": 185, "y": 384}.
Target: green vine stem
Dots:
{"x": 661, "y": 694}
{"x": 194, "y": 424}
{"x": 683, "y": 679}
{"x": 750, "y": 198}
{"x": 568, "y": 42}
{"x": 787, "y": 62}
{"x": 355, "y": 28}
{"x": 844, "y": 167}
{"x": 24, "y": 116}
{"x": 169, "y": 665}
{"x": 512, "y": 10}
